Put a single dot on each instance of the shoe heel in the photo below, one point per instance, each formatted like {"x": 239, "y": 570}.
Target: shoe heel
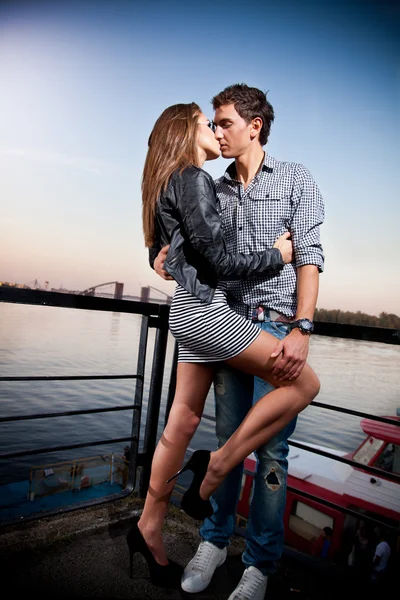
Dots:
{"x": 186, "y": 467}
{"x": 191, "y": 502}
{"x": 177, "y": 474}
{"x": 165, "y": 576}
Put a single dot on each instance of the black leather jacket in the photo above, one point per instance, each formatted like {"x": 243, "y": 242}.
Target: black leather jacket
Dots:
{"x": 187, "y": 218}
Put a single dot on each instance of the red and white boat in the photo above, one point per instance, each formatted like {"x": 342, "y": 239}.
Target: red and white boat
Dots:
{"x": 339, "y": 485}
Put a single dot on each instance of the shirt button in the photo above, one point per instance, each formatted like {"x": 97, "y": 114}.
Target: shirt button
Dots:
{"x": 240, "y": 228}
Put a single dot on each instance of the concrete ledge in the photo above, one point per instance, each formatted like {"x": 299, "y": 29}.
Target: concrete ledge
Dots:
{"x": 83, "y": 554}
{"x": 42, "y": 531}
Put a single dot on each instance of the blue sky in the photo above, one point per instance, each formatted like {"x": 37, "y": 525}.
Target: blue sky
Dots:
{"x": 82, "y": 84}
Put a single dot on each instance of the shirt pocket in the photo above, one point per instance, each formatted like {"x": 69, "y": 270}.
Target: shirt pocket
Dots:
{"x": 269, "y": 215}
{"x": 275, "y": 191}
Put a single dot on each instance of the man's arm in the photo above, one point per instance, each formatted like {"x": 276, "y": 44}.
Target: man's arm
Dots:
{"x": 309, "y": 259}
{"x": 294, "y": 347}
{"x": 307, "y": 292}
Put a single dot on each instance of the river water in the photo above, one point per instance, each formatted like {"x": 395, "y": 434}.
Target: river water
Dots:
{"x": 43, "y": 341}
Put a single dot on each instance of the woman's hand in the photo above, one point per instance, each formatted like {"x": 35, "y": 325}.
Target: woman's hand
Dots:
{"x": 159, "y": 264}
{"x": 284, "y": 244}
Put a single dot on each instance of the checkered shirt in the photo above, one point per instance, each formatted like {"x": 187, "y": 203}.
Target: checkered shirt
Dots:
{"x": 282, "y": 196}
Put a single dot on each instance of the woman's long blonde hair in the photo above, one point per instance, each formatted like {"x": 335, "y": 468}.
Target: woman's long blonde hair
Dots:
{"x": 172, "y": 146}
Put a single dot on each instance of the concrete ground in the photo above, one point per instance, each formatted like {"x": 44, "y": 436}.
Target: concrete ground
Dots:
{"x": 83, "y": 554}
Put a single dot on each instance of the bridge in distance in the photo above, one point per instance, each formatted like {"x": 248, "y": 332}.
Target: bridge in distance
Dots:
{"x": 145, "y": 293}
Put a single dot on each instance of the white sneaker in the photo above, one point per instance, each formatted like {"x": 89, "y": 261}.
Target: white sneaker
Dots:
{"x": 252, "y": 586}
{"x": 199, "y": 571}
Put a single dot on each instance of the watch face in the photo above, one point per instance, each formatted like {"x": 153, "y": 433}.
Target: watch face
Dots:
{"x": 305, "y": 325}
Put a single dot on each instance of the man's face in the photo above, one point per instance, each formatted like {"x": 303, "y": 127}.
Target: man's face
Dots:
{"x": 232, "y": 132}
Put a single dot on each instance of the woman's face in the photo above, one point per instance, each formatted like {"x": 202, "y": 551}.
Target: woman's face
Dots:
{"x": 206, "y": 141}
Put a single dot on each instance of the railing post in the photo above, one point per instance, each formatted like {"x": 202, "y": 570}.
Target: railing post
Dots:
{"x": 153, "y": 407}
{"x": 136, "y": 418}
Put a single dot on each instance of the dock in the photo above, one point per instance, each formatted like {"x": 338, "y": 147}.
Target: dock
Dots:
{"x": 83, "y": 554}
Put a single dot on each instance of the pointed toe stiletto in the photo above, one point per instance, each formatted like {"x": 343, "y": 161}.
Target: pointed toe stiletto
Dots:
{"x": 192, "y": 503}
{"x": 165, "y": 576}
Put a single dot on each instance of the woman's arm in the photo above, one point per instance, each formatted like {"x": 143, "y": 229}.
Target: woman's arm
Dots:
{"x": 197, "y": 204}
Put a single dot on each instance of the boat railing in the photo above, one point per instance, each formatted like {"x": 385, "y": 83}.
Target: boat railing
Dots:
{"x": 156, "y": 316}
{"x": 395, "y": 477}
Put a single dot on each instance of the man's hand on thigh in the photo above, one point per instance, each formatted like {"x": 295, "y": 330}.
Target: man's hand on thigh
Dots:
{"x": 291, "y": 354}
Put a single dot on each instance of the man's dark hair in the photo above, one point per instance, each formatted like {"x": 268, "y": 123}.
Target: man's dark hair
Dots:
{"x": 249, "y": 103}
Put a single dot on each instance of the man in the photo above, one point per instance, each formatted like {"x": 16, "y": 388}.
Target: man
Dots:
{"x": 259, "y": 198}
{"x": 381, "y": 559}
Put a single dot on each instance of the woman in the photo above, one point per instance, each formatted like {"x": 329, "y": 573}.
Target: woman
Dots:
{"x": 180, "y": 209}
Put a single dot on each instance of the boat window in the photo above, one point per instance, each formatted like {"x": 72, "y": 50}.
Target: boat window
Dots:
{"x": 308, "y": 522}
{"x": 389, "y": 459}
{"x": 368, "y": 450}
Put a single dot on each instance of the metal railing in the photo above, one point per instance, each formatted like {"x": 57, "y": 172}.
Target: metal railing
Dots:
{"x": 155, "y": 315}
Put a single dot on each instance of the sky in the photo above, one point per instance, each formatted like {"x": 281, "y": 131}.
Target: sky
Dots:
{"x": 82, "y": 83}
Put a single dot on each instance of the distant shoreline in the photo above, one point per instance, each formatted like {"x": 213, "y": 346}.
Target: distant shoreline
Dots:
{"x": 324, "y": 315}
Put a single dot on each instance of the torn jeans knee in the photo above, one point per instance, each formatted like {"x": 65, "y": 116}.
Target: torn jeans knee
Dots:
{"x": 274, "y": 477}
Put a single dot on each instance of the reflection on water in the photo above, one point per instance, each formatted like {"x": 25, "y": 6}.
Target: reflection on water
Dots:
{"x": 38, "y": 340}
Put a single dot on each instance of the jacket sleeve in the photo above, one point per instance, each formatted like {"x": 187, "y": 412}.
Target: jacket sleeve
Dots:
{"x": 153, "y": 253}
{"x": 197, "y": 204}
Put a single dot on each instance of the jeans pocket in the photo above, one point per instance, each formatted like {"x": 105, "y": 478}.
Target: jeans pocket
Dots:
{"x": 277, "y": 328}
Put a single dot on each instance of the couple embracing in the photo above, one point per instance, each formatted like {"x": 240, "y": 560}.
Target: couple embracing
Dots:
{"x": 245, "y": 254}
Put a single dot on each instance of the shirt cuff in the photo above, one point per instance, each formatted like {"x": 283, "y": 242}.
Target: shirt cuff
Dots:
{"x": 309, "y": 258}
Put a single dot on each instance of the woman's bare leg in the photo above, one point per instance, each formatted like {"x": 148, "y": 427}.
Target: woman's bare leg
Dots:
{"x": 267, "y": 417}
{"x": 192, "y": 385}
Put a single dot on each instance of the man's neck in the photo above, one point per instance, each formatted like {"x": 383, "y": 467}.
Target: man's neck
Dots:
{"x": 248, "y": 164}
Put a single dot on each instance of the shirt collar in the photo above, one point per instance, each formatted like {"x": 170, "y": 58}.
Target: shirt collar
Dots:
{"x": 267, "y": 167}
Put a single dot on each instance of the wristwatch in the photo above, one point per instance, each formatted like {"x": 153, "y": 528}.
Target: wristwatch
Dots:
{"x": 305, "y": 325}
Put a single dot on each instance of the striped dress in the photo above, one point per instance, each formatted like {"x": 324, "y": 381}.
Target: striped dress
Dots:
{"x": 208, "y": 332}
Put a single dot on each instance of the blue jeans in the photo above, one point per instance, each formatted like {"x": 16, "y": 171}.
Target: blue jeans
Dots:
{"x": 235, "y": 393}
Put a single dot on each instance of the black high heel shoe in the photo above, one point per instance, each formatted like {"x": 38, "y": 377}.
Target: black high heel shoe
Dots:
{"x": 165, "y": 576}
{"x": 192, "y": 503}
